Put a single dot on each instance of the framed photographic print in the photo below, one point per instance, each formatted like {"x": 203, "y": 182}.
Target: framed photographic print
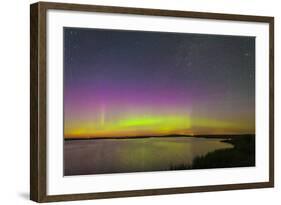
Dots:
{"x": 133, "y": 102}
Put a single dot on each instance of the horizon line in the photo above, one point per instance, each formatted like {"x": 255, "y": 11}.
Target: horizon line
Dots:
{"x": 150, "y": 136}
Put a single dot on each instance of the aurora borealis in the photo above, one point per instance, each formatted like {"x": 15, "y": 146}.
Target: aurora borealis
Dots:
{"x": 136, "y": 83}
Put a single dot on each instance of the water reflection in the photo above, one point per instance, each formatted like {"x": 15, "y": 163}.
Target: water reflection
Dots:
{"x": 99, "y": 156}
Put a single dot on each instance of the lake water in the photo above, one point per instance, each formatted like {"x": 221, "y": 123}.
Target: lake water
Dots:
{"x": 100, "y": 156}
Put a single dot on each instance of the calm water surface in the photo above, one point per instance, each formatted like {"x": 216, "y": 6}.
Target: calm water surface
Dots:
{"x": 100, "y": 156}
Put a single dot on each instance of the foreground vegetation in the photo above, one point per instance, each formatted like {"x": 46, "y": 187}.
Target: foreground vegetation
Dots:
{"x": 241, "y": 155}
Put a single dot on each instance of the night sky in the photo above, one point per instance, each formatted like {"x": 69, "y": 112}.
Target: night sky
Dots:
{"x": 139, "y": 83}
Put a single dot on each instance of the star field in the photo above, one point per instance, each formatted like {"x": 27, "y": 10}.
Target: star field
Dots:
{"x": 131, "y": 83}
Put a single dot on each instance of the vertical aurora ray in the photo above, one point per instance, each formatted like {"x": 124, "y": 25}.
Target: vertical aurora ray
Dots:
{"x": 102, "y": 117}
{"x": 134, "y": 83}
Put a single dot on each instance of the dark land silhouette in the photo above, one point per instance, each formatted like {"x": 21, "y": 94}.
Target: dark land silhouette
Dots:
{"x": 241, "y": 155}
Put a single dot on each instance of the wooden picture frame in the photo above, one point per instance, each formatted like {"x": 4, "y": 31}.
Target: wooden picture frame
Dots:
{"x": 38, "y": 101}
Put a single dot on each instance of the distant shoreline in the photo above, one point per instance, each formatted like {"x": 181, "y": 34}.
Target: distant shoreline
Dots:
{"x": 163, "y": 136}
